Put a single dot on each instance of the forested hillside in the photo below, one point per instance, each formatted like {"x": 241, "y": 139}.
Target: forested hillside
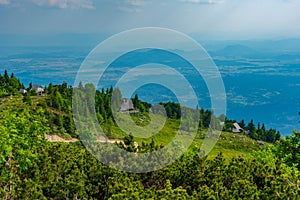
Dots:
{"x": 56, "y": 101}
{"x": 33, "y": 168}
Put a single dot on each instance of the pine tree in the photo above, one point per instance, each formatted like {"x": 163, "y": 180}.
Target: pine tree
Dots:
{"x": 6, "y": 77}
{"x": 80, "y": 86}
{"x": 242, "y": 124}
{"x": 27, "y": 98}
{"x": 135, "y": 101}
{"x": 116, "y": 100}
{"x": 50, "y": 88}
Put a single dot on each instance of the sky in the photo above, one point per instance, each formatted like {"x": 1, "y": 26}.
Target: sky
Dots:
{"x": 218, "y": 19}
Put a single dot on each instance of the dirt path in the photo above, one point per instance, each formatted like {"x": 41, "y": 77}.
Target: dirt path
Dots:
{"x": 56, "y": 138}
{"x": 102, "y": 139}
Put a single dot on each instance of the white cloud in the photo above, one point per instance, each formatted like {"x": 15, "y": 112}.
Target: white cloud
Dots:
{"x": 135, "y": 2}
{"x": 4, "y": 2}
{"x": 131, "y": 5}
{"x": 203, "y": 1}
{"x": 128, "y": 9}
{"x": 73, "y": 4}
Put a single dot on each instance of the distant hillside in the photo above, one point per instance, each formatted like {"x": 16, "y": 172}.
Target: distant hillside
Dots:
{"x": 275, "y": 49}
{"x": 236, "y": 51}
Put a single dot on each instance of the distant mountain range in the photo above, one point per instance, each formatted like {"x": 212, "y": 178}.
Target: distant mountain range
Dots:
{"x": 235, "y": 51}
{"x": 281, "y": 49}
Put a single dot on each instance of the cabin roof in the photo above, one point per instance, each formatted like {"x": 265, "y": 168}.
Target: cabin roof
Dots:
{"x": 236, "y": 128}
{"x": 126, "y": 105}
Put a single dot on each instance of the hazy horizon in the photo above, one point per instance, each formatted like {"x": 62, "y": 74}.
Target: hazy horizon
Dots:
{"x": 214, "y": 19}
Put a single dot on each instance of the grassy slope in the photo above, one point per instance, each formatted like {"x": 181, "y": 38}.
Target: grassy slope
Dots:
{"x": 229, "y": 144}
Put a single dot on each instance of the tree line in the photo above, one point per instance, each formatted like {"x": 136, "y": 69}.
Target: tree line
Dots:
{"x": 9, "y": 85}
{"x": 256, "y": 132}
{"x": 58, "y": 106}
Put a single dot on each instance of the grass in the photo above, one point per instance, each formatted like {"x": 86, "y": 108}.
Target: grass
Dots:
{"x": 230, "y": 144}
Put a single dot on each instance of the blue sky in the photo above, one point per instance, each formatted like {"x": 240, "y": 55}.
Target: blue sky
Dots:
{"x": 229, "y": 19}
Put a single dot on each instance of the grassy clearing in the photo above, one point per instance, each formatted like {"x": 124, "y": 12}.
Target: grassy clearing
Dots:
{"x": 229, "y": 144}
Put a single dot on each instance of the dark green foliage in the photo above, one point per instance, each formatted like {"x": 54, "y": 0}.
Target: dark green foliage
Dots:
{"x": 21, "y": 140}
{"x": 135, "y": 101}
{"x": 32, "y": 92}
{"x": 116, "y": 99}
{"x": 288, "y": 149}
{"x": 58, "y": 106}
{"x": 261, "y": 133}
{"x": 38, "y": 170}
{"x": 140, "y": 105}
{"x": 258, "y": 133}
{"x": 32, "y": 168}
{"x": 173, "y": 110}
{"x": 9, "y": 85}
{"x": 27, "y": 98}
{"x": 206, "y": 117}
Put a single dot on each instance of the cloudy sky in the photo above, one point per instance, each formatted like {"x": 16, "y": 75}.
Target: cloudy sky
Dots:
{"x": 216, "y": 18}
